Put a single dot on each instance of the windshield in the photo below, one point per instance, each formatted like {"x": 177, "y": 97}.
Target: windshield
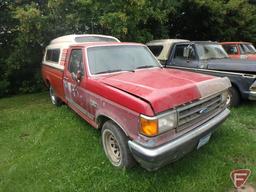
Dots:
{"x": 247, "y": 48}
{"x": 107, "y": 59}
{"x": 210, "y": 51}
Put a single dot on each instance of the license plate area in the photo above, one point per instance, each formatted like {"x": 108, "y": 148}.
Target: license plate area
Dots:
{"x": 204, "y": 140}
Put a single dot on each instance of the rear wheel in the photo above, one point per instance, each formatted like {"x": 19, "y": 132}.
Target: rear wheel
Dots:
{"x": 54, "y": 99}
{"x": 233, "y": 97}
{"x": 115, "y": 144}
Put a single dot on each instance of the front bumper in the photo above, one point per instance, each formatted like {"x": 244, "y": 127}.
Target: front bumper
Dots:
{"x": 154, "y": 158}
{"x": 252, "y": 95}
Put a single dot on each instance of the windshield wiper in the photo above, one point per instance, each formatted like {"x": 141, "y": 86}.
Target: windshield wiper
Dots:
{"x": 112, "y": 71}
{"x": 108, "y": 71}
{"x": 145, "y": 66}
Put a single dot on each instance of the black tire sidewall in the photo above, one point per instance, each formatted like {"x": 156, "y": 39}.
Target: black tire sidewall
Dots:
{"x": 235, "y": 97}
{"x": 126, "y": 156}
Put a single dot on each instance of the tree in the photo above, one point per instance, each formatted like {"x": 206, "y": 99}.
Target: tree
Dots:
{"x": 215, "y": 20}
{"x": 28, "y": 26}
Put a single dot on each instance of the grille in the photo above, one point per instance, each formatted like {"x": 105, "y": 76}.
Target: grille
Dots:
{"x": 198, "y": 111}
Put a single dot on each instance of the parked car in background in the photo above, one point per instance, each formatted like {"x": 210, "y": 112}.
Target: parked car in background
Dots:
{"x": 240, "y": 50}
{"x": 144, "y": 111}
{"x": 209, "y": 58}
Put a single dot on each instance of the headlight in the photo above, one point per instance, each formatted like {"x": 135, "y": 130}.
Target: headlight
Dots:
{"x": 152, "y": 126}
{"x": 225, "y": 97}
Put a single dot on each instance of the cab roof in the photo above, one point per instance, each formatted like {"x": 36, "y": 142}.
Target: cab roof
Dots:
{"x": 99, "y": 44}
{"x": 68, "y": 40}
{"x": 235, "y": 42}
{"x": 75, "y": 38}
{"x": 204, "y": 42}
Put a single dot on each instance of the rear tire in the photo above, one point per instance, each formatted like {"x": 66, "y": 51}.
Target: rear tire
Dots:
{"x": 54, "y": 99}
{"x": 115, "y": 144}
{"x": 234, "y": 97}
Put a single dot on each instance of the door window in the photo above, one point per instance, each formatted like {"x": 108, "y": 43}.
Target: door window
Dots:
{"x": 230, "y": 49}
{"x": 184, "y": 52}
{"x": 76, "y": 61}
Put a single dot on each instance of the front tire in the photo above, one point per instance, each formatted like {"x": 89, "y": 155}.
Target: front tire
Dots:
{"x": 234, "y": 97}
{"x": 54, "y": 99}
{"x": 115, "y": 144}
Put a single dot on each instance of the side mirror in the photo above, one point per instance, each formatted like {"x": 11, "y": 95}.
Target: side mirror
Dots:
{"x": 77, "y": 77}
{"x": 188, "y": 51}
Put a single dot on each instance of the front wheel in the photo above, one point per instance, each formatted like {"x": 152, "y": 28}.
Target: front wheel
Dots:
{"x": 233, "y": 97}
{"x": 54, "y": 99}
{"x": 115, "y": 144}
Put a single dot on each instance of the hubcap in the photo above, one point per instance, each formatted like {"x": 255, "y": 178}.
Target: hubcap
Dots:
{"x": 229, "y": 97}
{"x": 52, "y": 96}
{"x": 112, "y": 147}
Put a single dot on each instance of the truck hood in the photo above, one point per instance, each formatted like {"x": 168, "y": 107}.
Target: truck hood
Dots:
{"x": 164, "y": 89}
{"x": 237, "y": 65}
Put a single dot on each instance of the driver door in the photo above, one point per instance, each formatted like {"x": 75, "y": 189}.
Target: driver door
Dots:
{"x": 72, "y": 86}
{"x": 184, "y": 56}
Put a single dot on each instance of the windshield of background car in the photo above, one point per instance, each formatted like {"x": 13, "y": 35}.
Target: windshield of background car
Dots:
{"x": 210, "y": 51}
{"x": 247, "y": 48}
{"x": 107, "y": 59}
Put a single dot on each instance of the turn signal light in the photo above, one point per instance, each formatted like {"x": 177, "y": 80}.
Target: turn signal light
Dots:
{"x": 148, "y": 127}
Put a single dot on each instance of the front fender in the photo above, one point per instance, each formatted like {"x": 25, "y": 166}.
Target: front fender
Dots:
{"x": 126, "y": 119}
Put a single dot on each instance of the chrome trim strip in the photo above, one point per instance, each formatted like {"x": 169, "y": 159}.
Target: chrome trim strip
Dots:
{"x": 252, "y": 95}
{"x": 152, "y": 153}
{"x": 216, "y": 71}
{"x": 87, "y": 113}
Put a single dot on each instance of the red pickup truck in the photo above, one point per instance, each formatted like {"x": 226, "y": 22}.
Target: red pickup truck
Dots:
{"x": 240, "y": 50}
{"x": 145, "y": 112}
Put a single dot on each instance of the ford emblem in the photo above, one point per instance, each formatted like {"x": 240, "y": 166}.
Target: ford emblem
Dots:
{"x": 203, "y": 111}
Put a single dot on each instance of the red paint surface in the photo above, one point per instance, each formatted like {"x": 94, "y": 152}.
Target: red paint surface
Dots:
{"x": 55, "y": 78}
{"x": 124, "y": 96}
{"x": 162, "y": 88}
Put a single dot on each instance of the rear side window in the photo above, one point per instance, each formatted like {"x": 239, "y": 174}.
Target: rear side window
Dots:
{"x": 53, "y": 55}
{"x": 230, "y": 49}
{"x": 156, "y": 49}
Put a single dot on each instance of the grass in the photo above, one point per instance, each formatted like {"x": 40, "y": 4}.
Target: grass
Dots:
{"x": 44, "y": 148}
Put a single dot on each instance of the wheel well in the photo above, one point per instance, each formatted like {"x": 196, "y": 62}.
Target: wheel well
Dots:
{"x": 47, "y": 83}
{"x": 101, "y": 119}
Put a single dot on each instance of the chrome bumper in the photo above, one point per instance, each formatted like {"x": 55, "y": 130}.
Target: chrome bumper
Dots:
{"x": 252, "y": 95}
{"x": 154, "y": 158}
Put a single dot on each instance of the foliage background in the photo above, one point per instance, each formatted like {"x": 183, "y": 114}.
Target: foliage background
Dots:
{"x": 26, "y": 27}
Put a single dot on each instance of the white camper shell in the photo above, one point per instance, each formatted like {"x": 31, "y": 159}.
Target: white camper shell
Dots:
{"x": 55, "y": 52}
{"x": 161, "y": 48}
